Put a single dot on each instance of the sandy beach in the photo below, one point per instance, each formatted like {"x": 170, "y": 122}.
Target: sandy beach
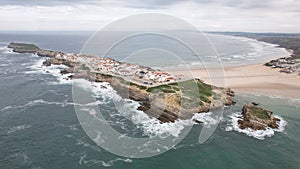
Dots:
{"x": 257, "y": 79}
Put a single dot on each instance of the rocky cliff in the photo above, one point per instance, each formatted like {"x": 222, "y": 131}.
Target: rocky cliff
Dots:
{"x": 166, "y": 102}
{"x": 257, "y": 118}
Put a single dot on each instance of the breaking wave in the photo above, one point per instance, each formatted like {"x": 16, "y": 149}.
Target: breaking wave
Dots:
{"x": 258, "y": 134}
{"x": 44, "y": 102}
{"x": 89, "y": 162}
{"x": 53, "y": 70}
{"x": 128, "y": 109}
{"x": 6, "y": 50}
{"x": 18, "y": 128}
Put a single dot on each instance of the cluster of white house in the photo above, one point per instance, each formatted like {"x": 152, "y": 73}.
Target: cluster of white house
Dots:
{"x": 286, "y": 65}
{"x": 111, "y": 66}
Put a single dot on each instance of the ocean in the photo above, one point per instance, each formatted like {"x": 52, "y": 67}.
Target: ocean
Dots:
{"x": 39, "y": 127}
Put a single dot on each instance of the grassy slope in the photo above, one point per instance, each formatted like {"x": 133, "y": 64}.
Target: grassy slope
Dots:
{"x": 189, "y": 91}
{"x": 259, "y": 112}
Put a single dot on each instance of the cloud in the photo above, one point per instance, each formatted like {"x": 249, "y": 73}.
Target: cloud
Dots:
{"x": 211, "y": 15}
{"x": 46, "y": 2}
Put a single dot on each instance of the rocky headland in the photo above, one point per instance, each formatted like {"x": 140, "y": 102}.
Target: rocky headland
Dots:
{"x": 166, "y": 101}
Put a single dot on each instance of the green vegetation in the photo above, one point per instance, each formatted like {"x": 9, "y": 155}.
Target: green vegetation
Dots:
{"x": 192, "y": 89}
{"x": 84, "y": 67}
{"x": 108, "y": 76}
{"x": 204, "y": 89}
{"x": 138, "y": 86}
{"x": 259, "y": 112}
{"x": 189, "y": 103}
{"x": 196, "y": 89}
{"x": 163, "y": 88}
{"x": 216, "y": 96}
{"x": 121, "y": 80}
{"x": 204, "y": 99}
{"x": 23, "y": 47}
{"x": 296, "y": 56}
{"x": 176, "y": 88}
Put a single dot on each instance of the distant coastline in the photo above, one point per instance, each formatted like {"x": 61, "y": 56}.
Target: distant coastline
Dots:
{"x": 289, "y": 41}
{"x": 279, "y": 77}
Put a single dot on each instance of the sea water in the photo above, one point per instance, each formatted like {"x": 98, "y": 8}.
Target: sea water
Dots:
{"x": 39, "y": 127}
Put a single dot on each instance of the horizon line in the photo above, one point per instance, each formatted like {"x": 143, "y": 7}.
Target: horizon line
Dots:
{"x": 206, "y": 31}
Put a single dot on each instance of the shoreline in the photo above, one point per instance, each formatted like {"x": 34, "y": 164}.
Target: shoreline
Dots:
{"x": 252, "y": 79}
{"x": 166, "y": 101}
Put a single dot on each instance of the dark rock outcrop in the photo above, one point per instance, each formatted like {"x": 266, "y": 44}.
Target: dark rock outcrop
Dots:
{"x": 48, "y": 53}
{"x": 47, "y": 63}
{"x": 257, "y": 118}
{"x": 23, "y": 48}
{"x": 67, "y": 71}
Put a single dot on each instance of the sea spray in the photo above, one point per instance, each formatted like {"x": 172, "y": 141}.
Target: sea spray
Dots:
{"x": 150, "y": 126}
{"x": 258, "y": 134}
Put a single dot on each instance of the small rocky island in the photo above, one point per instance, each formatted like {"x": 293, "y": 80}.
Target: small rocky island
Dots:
{"x": 257, "y": 118}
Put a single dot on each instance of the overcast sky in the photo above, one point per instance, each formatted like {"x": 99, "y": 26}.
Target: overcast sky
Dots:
{"x": 206, "y": 15}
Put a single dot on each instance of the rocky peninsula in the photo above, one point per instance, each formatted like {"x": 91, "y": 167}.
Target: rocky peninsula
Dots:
{"x": 160, "y": 94}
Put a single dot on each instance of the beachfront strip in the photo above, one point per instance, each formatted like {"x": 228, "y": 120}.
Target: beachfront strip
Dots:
{"x": 286, "y": 65}
{"x": 133, "y": 72}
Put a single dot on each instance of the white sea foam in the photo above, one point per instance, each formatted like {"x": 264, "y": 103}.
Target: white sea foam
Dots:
{"x": 25, "y": 64}
{"x": 36, "y": 67}
{"x": 153, "y": 127}
{"x": 88, "y": 145}
{"x": 5, "y": 64}
{"x": 18, "y": 128}
{"x": 53, "y": 70}
{"x": 22, "y": 158}
{"x": 207, "y": 118}
{"x": 258, "y": 134}
{"x": 6, "y": 50}
{"x": 84, "y": 161}
{"x": 255, "y": 49}
{"x": 128, "y": 109}
{"x": 44, "y": 102}
{"x": 237, "y": 56}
